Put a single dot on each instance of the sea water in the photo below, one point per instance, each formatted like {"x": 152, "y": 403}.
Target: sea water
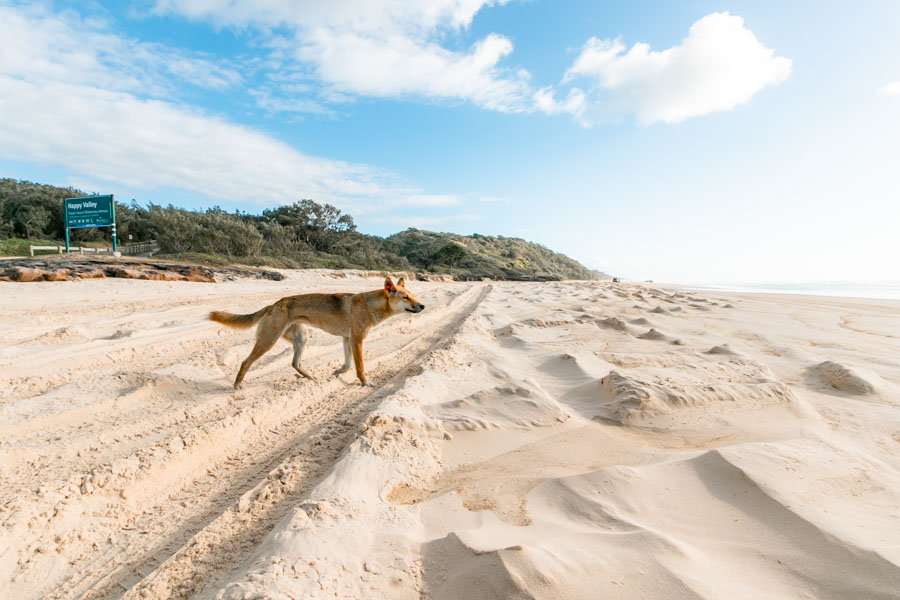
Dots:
{"x": 882, "y": 290}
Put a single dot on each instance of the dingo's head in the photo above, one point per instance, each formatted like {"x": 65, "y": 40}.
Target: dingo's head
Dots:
{"x": 399, "y": 298}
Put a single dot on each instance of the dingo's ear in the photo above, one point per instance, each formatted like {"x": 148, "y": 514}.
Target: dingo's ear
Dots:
{"x": 389, "y": 286}
{"x": 401, "y": 282}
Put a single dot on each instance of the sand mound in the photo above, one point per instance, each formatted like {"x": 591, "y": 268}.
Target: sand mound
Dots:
{"x": 613, "y": 323}
{"x": 848, "y": 379}
{"x": 63, "y": 334}
{"x": 633, "y": 399}
{"x": 616, "y": 324}
{"x": 544, "y": 323}
{"x": 640, "y": 360}
{"x": 519, "y": 406}
{"x": 653, "y": 334}
{"x": 572, "y": 367}
{"x": 723, "y": 349}
{"x": 456, "y": 570}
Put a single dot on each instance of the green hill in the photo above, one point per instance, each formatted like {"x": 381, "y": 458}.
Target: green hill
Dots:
{"x": 484, "y": 256}
{"x": 299, "y": 235}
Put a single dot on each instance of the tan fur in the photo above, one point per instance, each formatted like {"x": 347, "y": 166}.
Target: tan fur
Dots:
{"x": 349, "y": 316}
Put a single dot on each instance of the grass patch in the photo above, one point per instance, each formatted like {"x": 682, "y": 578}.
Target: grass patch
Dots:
{"x": 212, "y": 260}
{"x": 19, "y": 247}
{"x": 300, "y": 261}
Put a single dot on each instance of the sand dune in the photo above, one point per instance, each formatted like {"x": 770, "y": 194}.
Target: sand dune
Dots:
{"x": 850, "y": 379}
{"x": 555, "y": 440}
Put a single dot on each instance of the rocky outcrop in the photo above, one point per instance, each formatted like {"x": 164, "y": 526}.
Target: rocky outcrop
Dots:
{"x": 25, "y": 270}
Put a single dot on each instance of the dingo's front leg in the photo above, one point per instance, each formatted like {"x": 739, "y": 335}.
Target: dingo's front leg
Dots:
{"x": 356, "y": 348}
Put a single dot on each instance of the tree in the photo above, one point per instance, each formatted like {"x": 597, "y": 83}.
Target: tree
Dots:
{"x": 319, "y": 226}
{"x": 451, "y": 254}
{"x": 34, "y": 219}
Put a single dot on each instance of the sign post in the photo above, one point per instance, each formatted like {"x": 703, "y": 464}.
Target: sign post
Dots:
{"x": 90, "y": 211}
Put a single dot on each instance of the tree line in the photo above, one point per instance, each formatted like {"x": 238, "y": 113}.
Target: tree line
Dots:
{"x": 298, "y": 235}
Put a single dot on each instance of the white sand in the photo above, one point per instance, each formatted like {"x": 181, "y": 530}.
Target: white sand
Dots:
{"x": 560, "y": 440}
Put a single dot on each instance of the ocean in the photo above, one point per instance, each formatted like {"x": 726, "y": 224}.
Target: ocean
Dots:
{"x": 889, "y": 290}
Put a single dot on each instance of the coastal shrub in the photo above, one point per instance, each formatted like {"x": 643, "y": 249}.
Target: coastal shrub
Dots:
{"x": 301, "y": 234}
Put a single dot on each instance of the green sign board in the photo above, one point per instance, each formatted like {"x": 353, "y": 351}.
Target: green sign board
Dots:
{"x": 91, "y": 211}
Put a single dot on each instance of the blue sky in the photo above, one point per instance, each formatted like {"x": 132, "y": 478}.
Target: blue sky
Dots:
{"x": 678, "y": 141}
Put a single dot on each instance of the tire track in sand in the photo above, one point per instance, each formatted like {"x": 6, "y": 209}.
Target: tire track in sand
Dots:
{"x": 173, "y": 547}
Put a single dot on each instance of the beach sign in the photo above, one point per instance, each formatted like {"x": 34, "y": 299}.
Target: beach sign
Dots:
{"x": 90, "y": 211}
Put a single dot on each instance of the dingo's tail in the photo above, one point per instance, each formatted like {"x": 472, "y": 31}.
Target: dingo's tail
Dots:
{"x": 236, "y": 321}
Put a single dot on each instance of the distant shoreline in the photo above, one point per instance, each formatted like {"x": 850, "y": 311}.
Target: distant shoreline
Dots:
{"x": 866, "y": 291}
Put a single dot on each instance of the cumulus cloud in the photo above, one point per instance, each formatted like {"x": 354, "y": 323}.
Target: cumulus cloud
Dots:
{"x": 719, "y": 65}
{"x": 381, "y": 48}
{"x": 890, "y": 89}
{"x": 67, "y": 100}
{"x": 397, "y": 49}
{"x": 575, "y": 103}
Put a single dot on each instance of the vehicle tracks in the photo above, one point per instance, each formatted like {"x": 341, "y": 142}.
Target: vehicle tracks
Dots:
{"x": 183, "y": 510}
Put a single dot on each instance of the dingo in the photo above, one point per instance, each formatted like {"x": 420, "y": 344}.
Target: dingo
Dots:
{"x": 349, "y": 316}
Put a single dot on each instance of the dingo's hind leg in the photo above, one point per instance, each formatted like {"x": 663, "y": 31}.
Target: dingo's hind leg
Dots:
{"x": 346, "y": 365}
{"x": 265, "y": 339}
{"x": 298, "y": 334}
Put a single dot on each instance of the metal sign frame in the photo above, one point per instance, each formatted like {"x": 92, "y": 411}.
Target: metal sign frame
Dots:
{"x": 89, "y": 213}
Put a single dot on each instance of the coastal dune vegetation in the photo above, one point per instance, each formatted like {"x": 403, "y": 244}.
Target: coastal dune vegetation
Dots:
{"x": 304, "y": 234}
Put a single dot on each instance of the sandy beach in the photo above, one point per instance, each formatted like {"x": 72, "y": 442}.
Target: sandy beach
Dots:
{"x": 522, "y": 440}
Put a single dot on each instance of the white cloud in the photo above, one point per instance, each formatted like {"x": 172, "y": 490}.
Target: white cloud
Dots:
{"x": 117, "y": 137}
{"x": 271, "y": 102}
{"x": 890, "y": 89}
{"x": 719, "y": 65}
{"x": 64, "y": 48}
{"x": 401, "y": 66}
{"x": 397, "y": 49}
{"x": 382, "y": 48}
{"x": 66, "y": 100}
{"x": 390, "y": 17}
{"x": 574, "y": 104}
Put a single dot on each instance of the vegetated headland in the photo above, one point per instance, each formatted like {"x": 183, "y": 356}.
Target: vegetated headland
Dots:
{"x": 304, "y": 234}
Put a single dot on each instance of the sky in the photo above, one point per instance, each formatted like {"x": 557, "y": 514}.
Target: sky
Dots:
{"x": 689, "y": 141}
